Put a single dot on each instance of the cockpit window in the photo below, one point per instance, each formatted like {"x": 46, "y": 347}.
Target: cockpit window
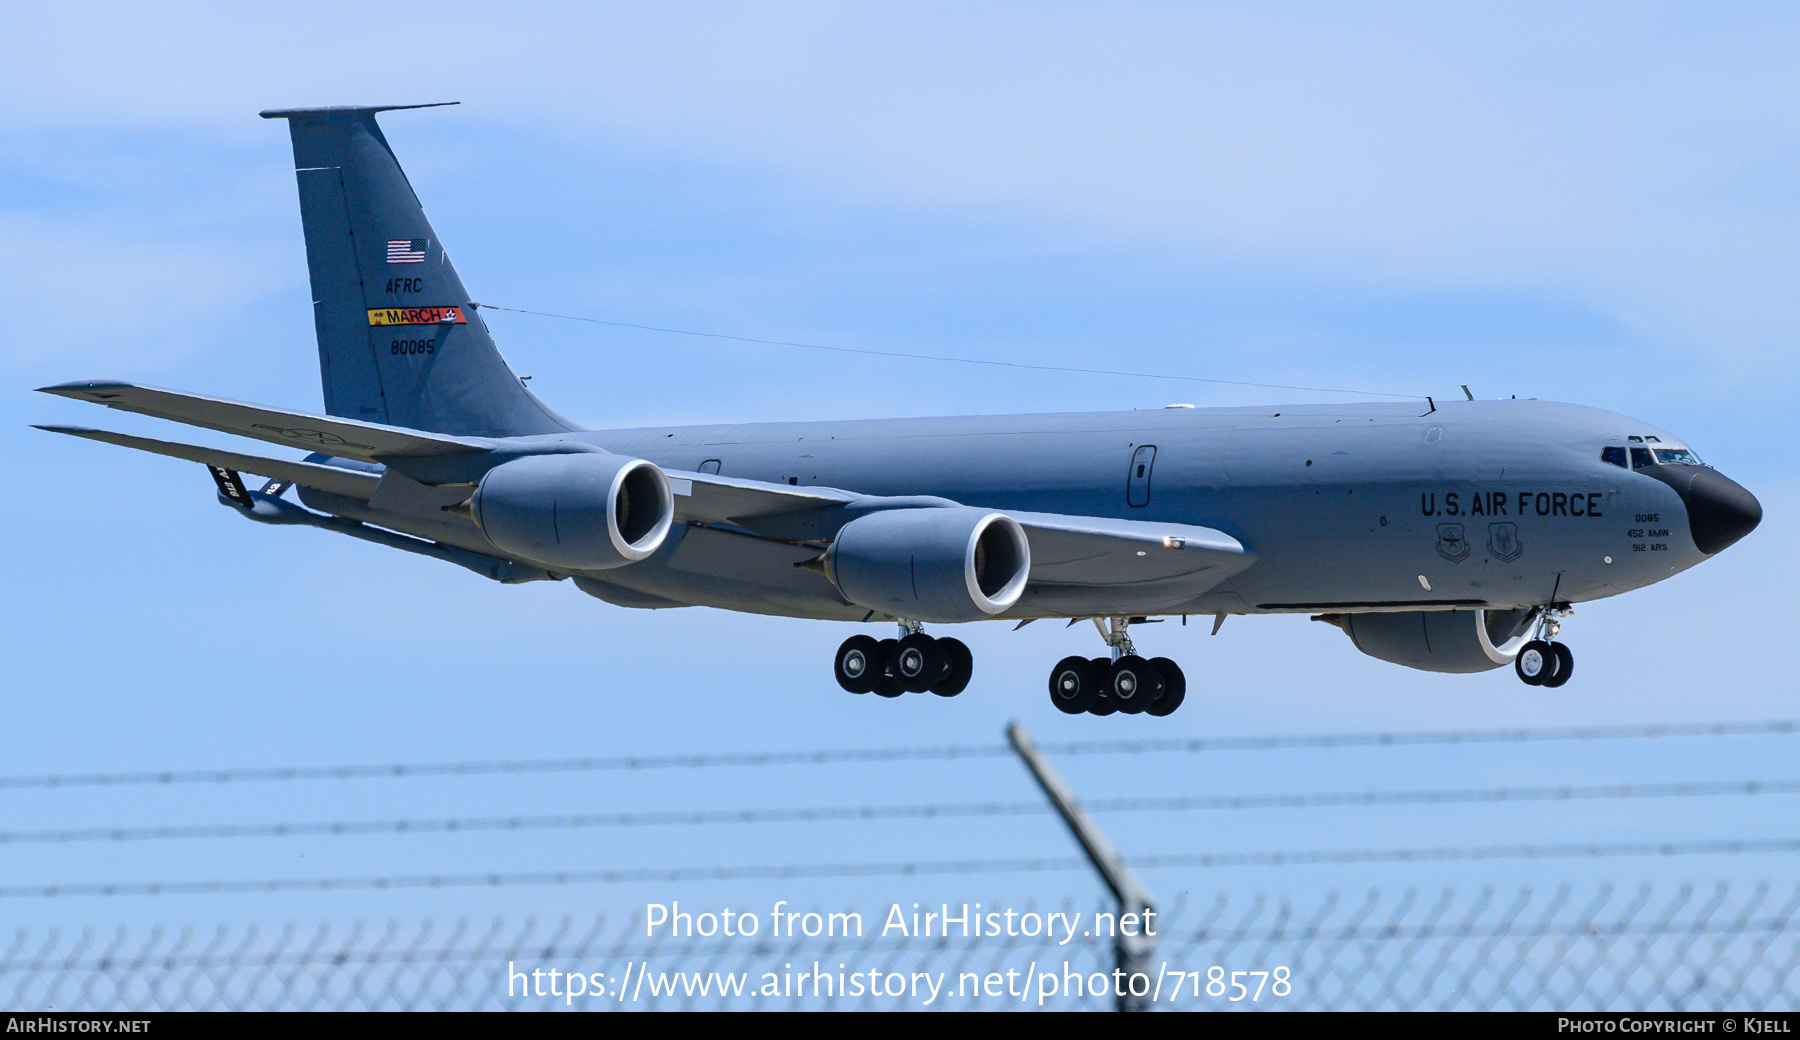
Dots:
{"x": 1676, "y": 457}
{"x": 1640, "y": 457}
{"x": 1635, "y": 439}
{"x": 1616, "y": 456}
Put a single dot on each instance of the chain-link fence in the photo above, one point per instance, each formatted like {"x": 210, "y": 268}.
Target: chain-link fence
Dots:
{"x": 1691, "y": 949}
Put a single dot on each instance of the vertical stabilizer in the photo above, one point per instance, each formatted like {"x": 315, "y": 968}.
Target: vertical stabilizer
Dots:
{"x": 398, "y": 341}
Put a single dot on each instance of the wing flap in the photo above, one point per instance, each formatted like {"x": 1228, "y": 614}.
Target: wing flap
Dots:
{"x": 349, "y": 483}
{"x": 708, "y": 497}
{"x": 1103, "y": 552}
{"x": 332, "y": 435}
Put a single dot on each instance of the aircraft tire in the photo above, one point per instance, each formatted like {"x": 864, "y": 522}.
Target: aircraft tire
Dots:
{"x": 1565, "y": 665}
{"x": 1535, "y": 663}
{"x": 959, "y": 665}
{"x": 917, "y": 663}
{"x": 1133, "y": 683}
{"x": 886, "y": 686}
{"x": 1072, "y": 685}
{"x": 1098, "y": 669}
{"x": 860, "y": 664}
{"x": 1174, "y": 688}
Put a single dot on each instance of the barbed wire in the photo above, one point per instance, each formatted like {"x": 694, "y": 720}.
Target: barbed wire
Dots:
{"x": 832, "y": 756}
{"x": 1025, "y": 864}
{"x": 820, "y": 814}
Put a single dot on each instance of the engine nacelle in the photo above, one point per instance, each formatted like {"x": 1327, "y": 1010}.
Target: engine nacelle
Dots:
{"x": 931, "y": 564}
{"x": 584, "y": 512}
{"x": 1439, "y": 640}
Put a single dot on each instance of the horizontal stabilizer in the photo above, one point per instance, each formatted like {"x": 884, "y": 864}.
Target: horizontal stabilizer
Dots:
{"x": 348, "y": 438}
{"x": 346, "y": 482}
{"x": 318, "y": 110}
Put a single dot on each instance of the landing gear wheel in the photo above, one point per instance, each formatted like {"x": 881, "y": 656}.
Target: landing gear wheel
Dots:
{"x": 1536, "y": 663}
{"x": 959, "y": 665}
{"x": 886, "y": 686}
{"x": 859, "y": 664}
{"x": 1072, "y": 687}
{"x": 1098, "y": 670}
{"x": 1565, "y": 665}
{"x": 1133, "y": 683}
{"x": 1174, "y": 688}
{"x": 917, "y": 663}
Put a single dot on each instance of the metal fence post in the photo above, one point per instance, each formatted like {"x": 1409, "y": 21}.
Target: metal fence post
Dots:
{"x": 1131, "y": 953}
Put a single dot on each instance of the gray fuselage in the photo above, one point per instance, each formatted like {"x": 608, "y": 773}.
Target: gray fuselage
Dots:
{"x": 1352, "y": 507}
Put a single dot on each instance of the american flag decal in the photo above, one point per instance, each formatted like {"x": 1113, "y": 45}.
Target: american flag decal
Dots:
{"x": 406, "y": 250}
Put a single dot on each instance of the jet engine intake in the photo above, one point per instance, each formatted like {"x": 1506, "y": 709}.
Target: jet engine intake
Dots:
{"x": 1439, "y": 640}
{"x": 933, "y": 564}
{"x": 582, "y": 512}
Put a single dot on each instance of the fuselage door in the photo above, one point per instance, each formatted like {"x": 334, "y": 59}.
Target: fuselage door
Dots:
{"x": 1137, "y": 485}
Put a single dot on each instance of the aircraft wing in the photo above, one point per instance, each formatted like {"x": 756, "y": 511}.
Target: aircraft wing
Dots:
{"x": 1070, "y": 553}
{"x": 349, "y": 438}
{"x": 346, "y": 482}
{"x": 698, "y": 496}
{"x": 1097, "y": 551}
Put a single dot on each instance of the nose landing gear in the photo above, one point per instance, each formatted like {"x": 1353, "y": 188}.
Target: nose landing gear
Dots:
{"x": 913, "y": 663}
{"x": 1542, "y": 661}
{"x": 1123, "y": 683}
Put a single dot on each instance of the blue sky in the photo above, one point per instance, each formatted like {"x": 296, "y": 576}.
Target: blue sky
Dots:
{"x": 1593, "y": 206}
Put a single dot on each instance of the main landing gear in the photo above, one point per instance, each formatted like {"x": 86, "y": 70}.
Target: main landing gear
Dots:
{"x": 1124, "y": 682}
{"x": 914, "y": 663}
{"x": 1542, "y": 661}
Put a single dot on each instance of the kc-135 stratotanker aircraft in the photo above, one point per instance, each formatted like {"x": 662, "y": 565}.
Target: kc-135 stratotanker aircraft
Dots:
{"x": 1451, "y": 537}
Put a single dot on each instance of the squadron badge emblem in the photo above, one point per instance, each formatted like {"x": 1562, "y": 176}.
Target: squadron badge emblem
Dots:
{"x": 1503, "y": 542}
{"x": 1451, "y": 544}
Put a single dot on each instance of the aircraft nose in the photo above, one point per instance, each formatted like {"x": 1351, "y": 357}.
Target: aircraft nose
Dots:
{"x": 1720, "y": 510}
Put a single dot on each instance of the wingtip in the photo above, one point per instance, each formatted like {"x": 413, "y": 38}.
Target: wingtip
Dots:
{"x": 90, "y": 389}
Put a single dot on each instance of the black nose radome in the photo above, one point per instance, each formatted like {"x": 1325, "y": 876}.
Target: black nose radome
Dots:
{"x": 1720, "y": 510}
